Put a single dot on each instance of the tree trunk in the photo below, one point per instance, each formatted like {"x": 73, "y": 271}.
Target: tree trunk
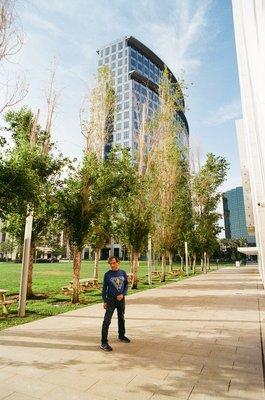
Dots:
{"x": 163, "y": 268}
{"x": 97, "y": 256}
{"x": 202, "y": 264}
{"x": 208, "y": 263}
{"x": 194, "y": 264}
{"x": 170, "y": 257}
{"x": 30, "y": 294}
{"x": 76, "y": 275}
{"x": 111, "y": 251}
{"x": 135, "y": 258}
{"x": 131, "y": 262}
{"x": 181, "y": 263}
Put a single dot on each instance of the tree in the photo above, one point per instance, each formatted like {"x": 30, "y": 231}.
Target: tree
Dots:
{"x": 36, "y": 173}
{"x": 166, "y": 165}
{"x": 135, "y": 217}
{"x": 98, "y": 129}
{"x": 118, "y": 180}
{"x": 7, "y": 247}
{"x": 206, "y": 184}
{"x": 231, "y": 245}
{"x": 99, "y": 235}
{"x": 98, "y": 133}
{"x": 135, "y": 223}
{"x": 80, "y": 201}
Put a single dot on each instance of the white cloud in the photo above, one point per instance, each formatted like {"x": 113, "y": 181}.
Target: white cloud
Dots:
{"x": 226, "y": 112}
{"x": 178, "y": 39}
{"x": 40, "y": 23}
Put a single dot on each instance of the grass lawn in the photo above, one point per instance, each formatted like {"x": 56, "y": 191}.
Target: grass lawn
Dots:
{"x": 48, "y": 279}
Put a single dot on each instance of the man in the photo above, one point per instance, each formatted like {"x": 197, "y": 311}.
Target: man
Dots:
{"x": 115, "y": 285}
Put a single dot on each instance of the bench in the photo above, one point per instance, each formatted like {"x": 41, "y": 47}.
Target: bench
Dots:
{"x": 84, "y": 284}
{"x": 155, "y": 274}
{"x": 5, "y": 302}
{"x": 175, "y": 272}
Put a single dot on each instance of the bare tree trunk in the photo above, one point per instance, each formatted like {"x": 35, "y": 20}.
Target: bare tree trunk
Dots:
{"x": 202, "y": 264}
{"x": 135, "y": 258}
{"x": 155, "y": 261}
{"x": 170, "y": 257}
{"x": 131, "y": 262}
{"x": 96, "y": 264}
{"x": 163, "y": 268}
{"x": 181, "y": 263}
{"x": 208, "y": 263}
{"x": 194, "y": 264}
{"x": 76, "y": 275}
{"x": 30, "y": 294}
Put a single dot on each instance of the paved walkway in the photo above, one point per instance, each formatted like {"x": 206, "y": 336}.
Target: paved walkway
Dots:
{"x": 198, "y": 339}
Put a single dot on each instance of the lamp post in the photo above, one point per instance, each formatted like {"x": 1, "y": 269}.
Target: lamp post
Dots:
{"x": 25, "y": 265}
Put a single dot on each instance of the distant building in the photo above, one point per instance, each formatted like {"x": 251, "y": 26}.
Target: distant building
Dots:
{"x": 234, "y": 215}
{"x": 136, "y": 73}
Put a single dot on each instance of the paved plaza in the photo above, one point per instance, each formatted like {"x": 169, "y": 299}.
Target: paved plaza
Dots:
{"x": 196, "y": 339}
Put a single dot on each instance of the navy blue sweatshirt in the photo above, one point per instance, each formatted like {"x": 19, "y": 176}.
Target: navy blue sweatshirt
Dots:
{"x": 114, "y": 283}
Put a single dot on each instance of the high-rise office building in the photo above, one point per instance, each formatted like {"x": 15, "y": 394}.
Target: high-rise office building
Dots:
{"x": 234, "y": 215}
{"x": 136, "y": 73}
{"x": 249, "y": 23}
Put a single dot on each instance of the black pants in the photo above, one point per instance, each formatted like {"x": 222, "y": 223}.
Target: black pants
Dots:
{"x": 112, "y": 304}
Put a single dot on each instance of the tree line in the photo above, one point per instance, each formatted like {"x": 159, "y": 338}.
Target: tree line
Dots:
{"x": 156, "y": 194}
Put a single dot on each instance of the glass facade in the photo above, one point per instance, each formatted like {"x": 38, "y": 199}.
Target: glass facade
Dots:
{"x": 136, "y": 73}
{"x": 234, "y": 215}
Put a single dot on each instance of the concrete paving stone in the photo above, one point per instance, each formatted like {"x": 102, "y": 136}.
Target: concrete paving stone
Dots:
{"x": 70, "y": 379}
{"x": 247, "y": 367}
{"x": 131, "y": 394}
{"x": 159, "y": 374}
{"x": 60, "y": 393}
{"x": 159, "y": 396}
{"x": 106, "y": 389}
{"x": 21, "y": 396}
{"x": 212, "y": 396}
{"x": 142, "y": 379}
{"x": 118, "y": 391}
{"x": 25, "y": 370}
{"x": 224, "y": 356}
{"x": 216, "y": 373}
{"x": 178, "y": 382}
{"x": 206, "y": 383}
{"x": 247, "y": 393}
{"x": 200, "y": 360}
{"x": 11, "y": 351}
{"x": 28, "y": 386}
{"x": 227, "y": 342}
{"x": 6, "y": 373}
{"x": 193, "y": 351}
{"x": 169, "y": 390}
{"x": 5, "y": 391}
{"x": 179, "y": 373}
{"x": 248, "y": 359}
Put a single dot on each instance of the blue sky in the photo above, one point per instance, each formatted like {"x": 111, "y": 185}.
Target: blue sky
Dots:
{"x": 195, "y": 39}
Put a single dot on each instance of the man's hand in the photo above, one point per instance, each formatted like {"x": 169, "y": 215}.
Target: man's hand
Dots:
{"x": 120, "y": 297}
{"x": 105, "y": 305}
